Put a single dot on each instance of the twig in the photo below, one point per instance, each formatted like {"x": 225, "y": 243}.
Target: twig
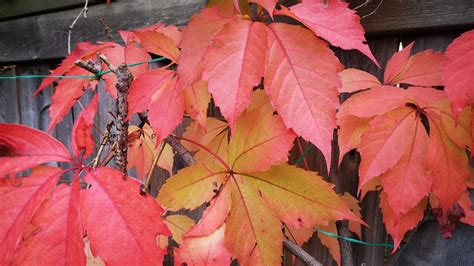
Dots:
{"x": 109, "y": 156}
{"x": 374, "y": 11}
{"x": 153, "y": 166}
{"x": 107, "y": 29}
{"x": 124, "y": 80}
{"x": 362, "y": 5}
{"x": 181, "y": 150}
{"x": 84, "y": 11}
{"x": 91, "y": 66}
{"x": 300, "y": 253}
{"x": 104, "y": 142}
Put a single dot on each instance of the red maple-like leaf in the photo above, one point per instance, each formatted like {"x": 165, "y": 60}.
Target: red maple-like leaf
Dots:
{"x": 128, "y": 229}
{"x": 334, "y": 22}
{"x": 197, "y": 37}
{"x": 22, "y": 148}
{"x": 301, "y": 81}
{"x": 236, "y": 58}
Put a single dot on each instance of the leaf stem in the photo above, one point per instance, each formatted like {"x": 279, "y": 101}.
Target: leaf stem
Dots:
{"x": 153, "y": 166}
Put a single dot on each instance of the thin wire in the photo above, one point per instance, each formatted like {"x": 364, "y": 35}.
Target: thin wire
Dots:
{"x": 159, "y": 59}
{"x": 301, "y": 158}
{"x": 357, "y": 241}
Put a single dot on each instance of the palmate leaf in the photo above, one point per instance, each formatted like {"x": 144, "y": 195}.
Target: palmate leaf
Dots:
{"x": 414, "y": 147}
{"x": 254, "y": 197}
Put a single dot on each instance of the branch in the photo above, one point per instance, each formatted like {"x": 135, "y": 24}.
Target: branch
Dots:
{"x": 300, "y": 253}
{"x": 124, "y": 80}
{"x": 181, "y": 150}
{"x": 69, "y": 33}
{"x": 91, "y": 66}
{"x": 107, "y": 29}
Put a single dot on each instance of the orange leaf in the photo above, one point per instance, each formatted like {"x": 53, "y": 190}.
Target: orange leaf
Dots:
{"x": 178, "y": 225}
{"x": 196, "y": 101}
{"x": 407, "y": 183}
{"x": 158, "y": 43}
{"x": 141, "y": 148}
{"x": 385, "y": 142}
{"x": 191, "y": 187}
{"x": 353, "y": 204}
{"x": 203, "y": 250}
{"x": 301, "y": 81}
{"x": 252, "y": 152}
{"x": 261, "y": 244}
{"x": 236, "y": 59}
{"x": 315, "y": 205}
{"x": 197, "y": 37}
{"x": 350, "y": 132}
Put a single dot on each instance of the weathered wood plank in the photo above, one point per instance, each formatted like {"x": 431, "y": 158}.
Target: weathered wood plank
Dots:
{"x": 18, "y": 8}
{"x": 45, "y": 36}
{"x": 9, "y": 112}
{"x": 395, "y": 16}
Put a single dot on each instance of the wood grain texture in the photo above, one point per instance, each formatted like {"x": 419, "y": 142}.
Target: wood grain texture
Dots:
{"x": 18, "y": 8}
{"x": 45, "y": 36}
{"x": 396, "y": 16}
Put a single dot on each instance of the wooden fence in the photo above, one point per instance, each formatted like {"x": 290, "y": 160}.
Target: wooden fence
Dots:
{"x": 33, "y": 37}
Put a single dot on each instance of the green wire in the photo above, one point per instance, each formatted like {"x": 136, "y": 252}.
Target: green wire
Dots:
{"x": 159, "y": 59}
{"x": 301, "y": 158}
{"x": 80, "y": 77}
{"x": 357, "y": 241}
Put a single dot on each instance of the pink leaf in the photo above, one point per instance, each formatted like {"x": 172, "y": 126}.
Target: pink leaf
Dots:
{"x": 121, "y": 224}
{"x": 301, "y": 81}
{"x": 236, "y": 59}
{"x": 335, "y": 22}
{"x": 22, "y": 148}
